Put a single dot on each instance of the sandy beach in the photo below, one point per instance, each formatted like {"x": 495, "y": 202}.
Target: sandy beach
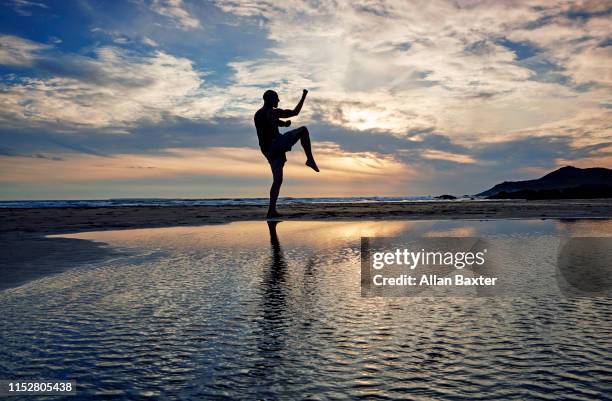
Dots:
{"x": 66, "y": 220}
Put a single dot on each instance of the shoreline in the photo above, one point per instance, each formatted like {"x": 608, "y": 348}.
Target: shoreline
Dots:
{"x": 45, "y": 221}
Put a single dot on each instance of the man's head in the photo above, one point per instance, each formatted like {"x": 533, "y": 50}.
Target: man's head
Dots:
{"x": 270, "y": 98}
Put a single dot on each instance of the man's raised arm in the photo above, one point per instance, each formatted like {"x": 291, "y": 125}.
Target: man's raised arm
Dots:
{"x": 291, "y": 113}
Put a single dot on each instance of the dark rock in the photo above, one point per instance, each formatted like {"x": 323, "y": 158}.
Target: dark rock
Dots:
{"x": 566, "y": 179}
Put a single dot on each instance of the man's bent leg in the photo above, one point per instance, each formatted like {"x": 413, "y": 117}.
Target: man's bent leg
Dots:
{"x": 305, "y": 141}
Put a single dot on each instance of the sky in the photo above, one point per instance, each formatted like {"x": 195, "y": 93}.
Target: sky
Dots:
{"x": 155, "y": 98}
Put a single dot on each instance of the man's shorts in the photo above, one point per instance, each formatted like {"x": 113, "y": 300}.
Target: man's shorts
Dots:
{"x": 280, "y": 145}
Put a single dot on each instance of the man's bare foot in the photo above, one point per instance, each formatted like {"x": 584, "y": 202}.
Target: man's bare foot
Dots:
{"x": 311, "y": 163}
{"x": 273, "y": 215}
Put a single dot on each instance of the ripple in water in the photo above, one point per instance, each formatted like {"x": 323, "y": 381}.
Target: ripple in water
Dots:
{"x": 247, "y": 311}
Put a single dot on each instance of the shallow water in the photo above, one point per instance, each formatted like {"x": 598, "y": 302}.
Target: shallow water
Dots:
{"x": 233, "y": 311}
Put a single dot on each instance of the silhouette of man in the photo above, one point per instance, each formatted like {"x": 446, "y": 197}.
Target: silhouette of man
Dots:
{"x": 274, "y": 145}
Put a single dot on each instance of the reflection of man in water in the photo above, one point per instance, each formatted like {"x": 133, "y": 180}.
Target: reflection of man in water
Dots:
{"x": 274, "y": 301}
{"x": 278, "y": 259}
{"x": 274, "y": 145}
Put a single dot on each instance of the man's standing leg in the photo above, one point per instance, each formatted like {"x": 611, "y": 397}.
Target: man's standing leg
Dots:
{"x": 277, "y": 180}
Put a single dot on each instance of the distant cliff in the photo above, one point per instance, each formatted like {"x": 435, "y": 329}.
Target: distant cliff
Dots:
{"x": 566, "y": 182}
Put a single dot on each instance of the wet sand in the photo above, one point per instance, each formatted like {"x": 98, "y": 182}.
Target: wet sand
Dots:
{"x": 28, "y": 257}
{"x": 242, "y": 311}
{"x": 64, "y": 220}
{"x": 27, "y": 254}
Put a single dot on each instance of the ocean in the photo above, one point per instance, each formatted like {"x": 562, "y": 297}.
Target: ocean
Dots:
{"x": 206, "y": 202}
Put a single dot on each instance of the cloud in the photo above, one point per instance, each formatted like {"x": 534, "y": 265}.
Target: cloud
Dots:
{"x": 453, "y": 157}
{"x": 114, "y": 89}
{"x": 116, "y": 37}
{"x": 16, "y": 51}
{"x": 149, "y": 42}
{"x": 24, "y": 7}
{"x": 175, "y": 10}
